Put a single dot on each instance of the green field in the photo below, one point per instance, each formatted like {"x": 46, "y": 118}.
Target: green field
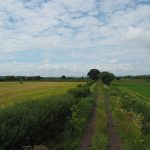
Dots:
{"x": 140, "y": 88}
{"x": 11, "y": 92}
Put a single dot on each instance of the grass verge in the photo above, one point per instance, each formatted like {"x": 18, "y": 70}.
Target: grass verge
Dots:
{"x": 131, "y": 117}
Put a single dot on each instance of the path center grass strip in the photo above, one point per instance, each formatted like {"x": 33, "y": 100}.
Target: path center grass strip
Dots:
{"x": 100, "y": 137}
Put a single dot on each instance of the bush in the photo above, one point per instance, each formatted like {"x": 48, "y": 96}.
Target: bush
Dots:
{"x": 90, "y": 82}
{"x": 80, "y": 92}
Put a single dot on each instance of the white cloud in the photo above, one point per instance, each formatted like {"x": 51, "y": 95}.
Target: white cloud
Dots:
{"x": 69, "y": 69}
{"x": 113, "y": 61}
{"x": 82, "y": 31}
{"x": 137, "y": 37}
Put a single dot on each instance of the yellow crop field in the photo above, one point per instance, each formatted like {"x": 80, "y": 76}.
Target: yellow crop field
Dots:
{"x": 11, "y": 92}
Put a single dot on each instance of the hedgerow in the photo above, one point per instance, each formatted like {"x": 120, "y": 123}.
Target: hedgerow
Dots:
{"x": 31, "y": 122}
{"x": 80, "y": 91}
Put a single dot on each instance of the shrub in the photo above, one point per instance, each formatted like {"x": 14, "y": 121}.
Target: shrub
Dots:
{"x": 80, "y": 92}
{"x": 90, "y": 82}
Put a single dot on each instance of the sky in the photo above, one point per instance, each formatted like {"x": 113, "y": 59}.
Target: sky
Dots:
{"x": 69, "y": 37}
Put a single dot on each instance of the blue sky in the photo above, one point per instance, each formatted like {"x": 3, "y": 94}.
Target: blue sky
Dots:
{"x": 55, "y": 37}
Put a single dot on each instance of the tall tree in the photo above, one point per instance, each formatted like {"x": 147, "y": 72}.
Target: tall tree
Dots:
{"x": 94, "y": 74}
{"x": 107, "y": 77}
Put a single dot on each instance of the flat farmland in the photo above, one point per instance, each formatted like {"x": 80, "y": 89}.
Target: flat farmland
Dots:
{"x": 140, "y": 88}
{"x": 11, "y": 92}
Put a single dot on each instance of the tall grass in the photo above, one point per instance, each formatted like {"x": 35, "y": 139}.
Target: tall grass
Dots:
{"x": 132, "y": 115}
{"x": 29, "y": 123}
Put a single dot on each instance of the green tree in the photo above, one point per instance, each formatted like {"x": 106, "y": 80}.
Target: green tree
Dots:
{"x": 63, "y": 77}
{"x": 107, "y": 77}
{"x": 94, "y": 74}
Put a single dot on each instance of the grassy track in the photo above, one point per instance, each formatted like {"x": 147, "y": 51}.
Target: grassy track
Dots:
{"x": 129, "y": 120}
{"x": 11, "y": 92}
{"x": 138, "y": 87}
{"x": 100, "y": 137}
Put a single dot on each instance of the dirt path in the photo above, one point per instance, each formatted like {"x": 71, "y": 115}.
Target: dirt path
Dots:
{"x": 114, "y": 140}
{"x": 86, "y": 139}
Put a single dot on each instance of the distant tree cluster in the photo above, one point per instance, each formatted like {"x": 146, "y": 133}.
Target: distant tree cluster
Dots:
{"x": 105, "y": 76}
{"x": 20, "y": 78}
{"x": 39, "y": 78}
{"x": 133, "y": 77}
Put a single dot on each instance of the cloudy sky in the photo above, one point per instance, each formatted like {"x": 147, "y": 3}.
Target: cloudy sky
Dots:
{"x": 55, "y": 37}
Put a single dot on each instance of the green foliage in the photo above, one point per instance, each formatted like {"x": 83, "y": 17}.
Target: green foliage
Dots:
{"x": 80, "y": 91}
{"x": 80, "y": 113}
{"x": 106, "y": 77}
{"x": 133, "y": 117}
{"x": 63, "y": 77}
{"x": 128, "y": 129}
{"x": 75, "y": 121}
{"x": 90, "y": 82}
{"x": 29, "y": 123}
{"x": 131, "y": 103}
{"x": 93, "y": 74}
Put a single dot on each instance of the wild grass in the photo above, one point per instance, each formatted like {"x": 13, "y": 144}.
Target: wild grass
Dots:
{"x": 132, "y": 117}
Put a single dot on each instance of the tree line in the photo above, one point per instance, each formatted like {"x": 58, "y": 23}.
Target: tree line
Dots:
{"x": 20, "y": 78}
{"x": 39, "y": 78}
{"x": 133, "y": 77}
{"x": 94, "y": 74}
